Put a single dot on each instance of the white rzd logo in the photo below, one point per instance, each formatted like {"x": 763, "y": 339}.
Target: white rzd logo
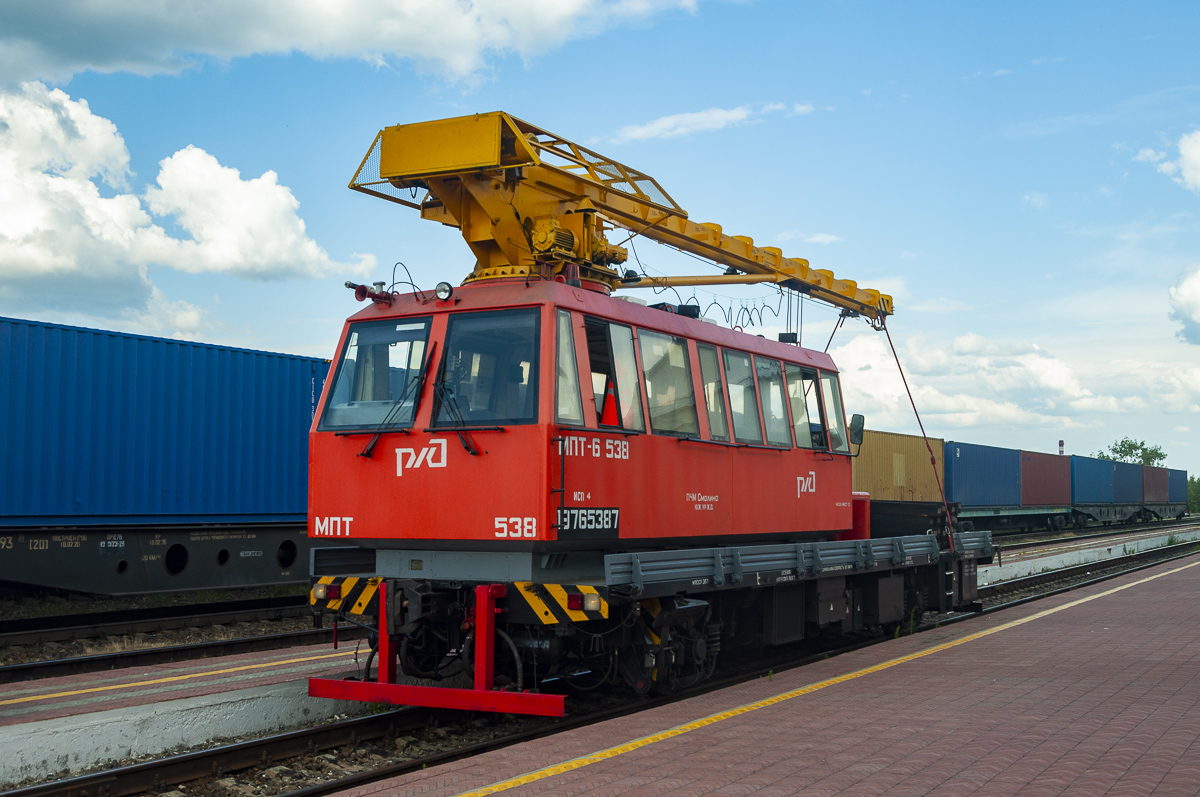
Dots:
{"x": 433, "y": 455}
{"x": 806, "y": 484}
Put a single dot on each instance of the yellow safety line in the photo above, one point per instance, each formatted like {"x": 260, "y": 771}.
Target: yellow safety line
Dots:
{"x": 612, "y": 752}
{"x": 169, "y": 679}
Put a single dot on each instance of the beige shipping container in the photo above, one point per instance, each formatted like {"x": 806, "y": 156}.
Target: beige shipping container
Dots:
{"x": 895, "y": 467}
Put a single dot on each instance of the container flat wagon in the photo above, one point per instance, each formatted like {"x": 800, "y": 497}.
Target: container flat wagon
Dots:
{"x": 904, "y": 482}
{"x": 1002, "y": 489}
{"x": 133, "y": 464}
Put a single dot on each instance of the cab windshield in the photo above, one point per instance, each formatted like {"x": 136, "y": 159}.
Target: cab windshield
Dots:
{"x": 377, "y": 375}
{"x": 489, "y": 369}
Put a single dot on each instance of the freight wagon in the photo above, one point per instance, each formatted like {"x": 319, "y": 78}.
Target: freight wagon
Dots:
{"x": 138, "y": 464}
{"x": 904, "y": 476}
{"x": 999, "y": 488}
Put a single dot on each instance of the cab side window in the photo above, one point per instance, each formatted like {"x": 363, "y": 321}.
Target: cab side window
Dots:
{"x": 770, "y": 389}
{"x": 668, "y": 378}
{"x": 714, "y": 394}
{"x": 614, "y": 372}
{"x": 743, "y": 400}
{"x": 807, "y": 417}
{"x": 831, "y": 391}
{"x": 568, "y": 407}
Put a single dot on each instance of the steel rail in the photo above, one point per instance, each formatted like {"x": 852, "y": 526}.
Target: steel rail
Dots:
{"x": 152, "y": 776}
{"x": 1103, "y": 535}
{"x": 1037, "y": 538}
{"x": 131, "y": 627}
{"x": 167, "y": 654}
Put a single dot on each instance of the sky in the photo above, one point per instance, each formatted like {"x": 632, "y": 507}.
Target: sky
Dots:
{"x": 1023, "y": 178}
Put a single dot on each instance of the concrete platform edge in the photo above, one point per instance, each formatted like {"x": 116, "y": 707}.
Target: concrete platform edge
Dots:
{"x": 49, "y": 747}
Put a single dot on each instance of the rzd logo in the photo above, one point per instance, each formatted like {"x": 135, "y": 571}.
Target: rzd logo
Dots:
{"x": 806, "y": 484}
{"x": 433, "y": 455}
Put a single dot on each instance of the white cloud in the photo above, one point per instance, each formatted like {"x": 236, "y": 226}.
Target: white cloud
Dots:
{"x": 1189, "y": 162}
{"x": 1035, "y": 199}
{"x": 811, "y": 238}
{"x": 683, "y": 124}
{"x": 249, "y": 228}
{"x": 1148, "y": 155}
{"x": 57, "y": 40}
{"x": 873, "y": 387}
{"x": 1000, "y": 72}
{"x": 1184, "y": 297}
{"x": 940, "y": 306}
{"x": 66, "y": 245}
{"x": 803, "y": 108}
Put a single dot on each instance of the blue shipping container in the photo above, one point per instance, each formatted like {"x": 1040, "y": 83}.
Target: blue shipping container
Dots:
{"x": 1127, "y": 483}
{"x": 1177, "y": 486}
{"x": 982, "y": 475}
{"x": 1091, "y": 481}
{"x": 106, "y": 427}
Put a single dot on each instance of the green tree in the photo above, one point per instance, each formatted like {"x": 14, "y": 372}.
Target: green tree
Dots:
{"x": 1194, "y": 493}
{"x": 1129, "y": 450}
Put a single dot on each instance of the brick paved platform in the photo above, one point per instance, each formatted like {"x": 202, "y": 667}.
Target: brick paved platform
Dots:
{"x": 68, "y": 695}
{"x": 1092, "y": 692}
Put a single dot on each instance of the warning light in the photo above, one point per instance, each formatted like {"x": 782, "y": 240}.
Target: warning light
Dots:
{"x": 575, "y": 603}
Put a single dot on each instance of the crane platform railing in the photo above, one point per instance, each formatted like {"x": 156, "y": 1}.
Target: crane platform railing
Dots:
{"x": 533, "y": 204}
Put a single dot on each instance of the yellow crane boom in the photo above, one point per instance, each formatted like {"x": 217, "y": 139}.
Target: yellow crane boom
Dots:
{"x": 530, "y": 203}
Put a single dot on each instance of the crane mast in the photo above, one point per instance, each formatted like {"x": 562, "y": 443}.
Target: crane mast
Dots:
{"x": 531, "y": 204}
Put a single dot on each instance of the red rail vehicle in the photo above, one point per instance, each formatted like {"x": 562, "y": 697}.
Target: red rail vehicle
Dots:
{"x": 526, "y": 477}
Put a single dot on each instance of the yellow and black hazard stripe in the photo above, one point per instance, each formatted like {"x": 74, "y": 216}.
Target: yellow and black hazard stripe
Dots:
{"x": 549, "y": 602}
{"x": 358, "y": 595}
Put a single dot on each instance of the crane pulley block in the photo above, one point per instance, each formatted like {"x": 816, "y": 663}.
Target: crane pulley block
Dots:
{"x": 531, "y": 204}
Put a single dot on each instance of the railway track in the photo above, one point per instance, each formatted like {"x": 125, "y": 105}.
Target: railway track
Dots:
{"x": 1013, "y": 541}
{"x": 38, "y": 630}
{"x": 167, "y": 654}
{"x": 311, "y": 754}
{"x": 216, "y": 763}
{"x": 42, "y": 631}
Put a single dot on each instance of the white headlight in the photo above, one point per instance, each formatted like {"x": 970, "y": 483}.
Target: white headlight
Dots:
{"x": 443, "y": 291}
{"x": 591, "y": 602}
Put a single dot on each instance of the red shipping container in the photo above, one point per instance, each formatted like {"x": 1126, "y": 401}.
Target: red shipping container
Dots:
{"x": 1045, "y": 479}
{"x": 1154, "y": 485}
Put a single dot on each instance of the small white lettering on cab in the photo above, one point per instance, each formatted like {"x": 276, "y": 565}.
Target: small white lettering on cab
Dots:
{"x": 332, "y": 526}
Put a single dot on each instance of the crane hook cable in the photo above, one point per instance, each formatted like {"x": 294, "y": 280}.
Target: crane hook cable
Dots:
{"x": 929, "y": 448}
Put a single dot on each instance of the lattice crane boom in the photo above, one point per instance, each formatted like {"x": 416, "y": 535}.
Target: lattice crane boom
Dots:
{"x": 533, "y": 204}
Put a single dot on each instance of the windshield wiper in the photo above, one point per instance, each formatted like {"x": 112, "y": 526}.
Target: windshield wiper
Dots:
{"x": 446, "y": 397}
{"x": 417, "y": 385}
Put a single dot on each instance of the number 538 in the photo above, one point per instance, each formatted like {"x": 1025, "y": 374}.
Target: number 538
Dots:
{"x": 516, "y": 527}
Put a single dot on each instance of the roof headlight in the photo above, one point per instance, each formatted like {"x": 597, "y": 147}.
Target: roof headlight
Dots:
{"x": 443, "y": 291}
